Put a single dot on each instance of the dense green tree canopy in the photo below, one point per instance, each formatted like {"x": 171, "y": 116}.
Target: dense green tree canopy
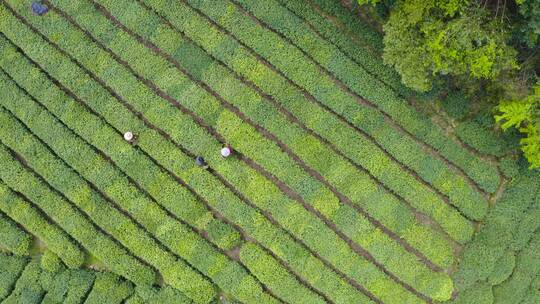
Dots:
{"x": 528, "y": 27}
{"x": 424, "y": 39}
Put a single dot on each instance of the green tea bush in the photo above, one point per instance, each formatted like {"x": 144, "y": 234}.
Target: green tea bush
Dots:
{"x": 509, "y": 166}
{"x": 358, "y": 26}
{"x": 35, "y": 222}
{"x": 67, "y": 217}
{"x": 12, "y": 237}
{"x": 54, "y": 283}
{"x": 152, "y": 295}
{"x": 516, "y": 287}
{"x": 50, "y": 262}
{"x": 481, "y": 139}
{"x": 11, "y": 268}
{"x": 122, "y": 229}
{"x": 354, "y": 45}
{"x": 509, "y": 227}
{"x": 321, "y": 121}
{"x": 118, "y": 12}
{"x": 168, "y": 231}
{"x": 505, "y": 267}
{"x": 109, "y": 288}
{"x": 480, "y": 293}
{"x": 229, "y": 207}
{"x": 456, "y": 105}
{"x": 269, "y": 271}
{"x": 28, "y": 288}
{"x": 170, "y": 159}
{"x": 66, "y": 285}
{"x": 284, "y": 175}
{"x": 167, "y": 234}
{"x": 527, "y": 228}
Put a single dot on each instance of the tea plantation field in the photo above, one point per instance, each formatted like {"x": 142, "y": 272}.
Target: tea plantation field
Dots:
{"x": 339, "y": 190}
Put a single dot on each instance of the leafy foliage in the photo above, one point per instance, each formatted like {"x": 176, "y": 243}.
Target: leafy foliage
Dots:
{"x": 488, "y": 46}
{"x": 528, "y": 26}
{"x": 424, "y": 39}
{"x": 50, "y": 261}
{"x": 502, "y": 260}
{"x": 13, "y": 238}
{"x": 524, "y": 115}
{"x": 11, "y": 268}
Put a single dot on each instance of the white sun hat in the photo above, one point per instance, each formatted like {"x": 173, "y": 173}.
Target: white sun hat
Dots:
{"x": 128, "y": 136}
{"x": 225, "y": 151}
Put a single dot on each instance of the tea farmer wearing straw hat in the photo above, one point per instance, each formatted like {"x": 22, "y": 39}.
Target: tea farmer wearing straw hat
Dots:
{"x": 130, "y": 137}
{"x": 226, "y": 151}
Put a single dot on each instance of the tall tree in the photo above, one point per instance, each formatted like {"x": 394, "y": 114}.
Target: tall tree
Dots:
{"x": 425, "y": 39}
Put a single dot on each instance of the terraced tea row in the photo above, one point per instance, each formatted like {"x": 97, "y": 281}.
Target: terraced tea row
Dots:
{"x": 132, "y": 237}
{"x": 288, "y": 58}
{"x": 361, "y": 46}
{"x": 149, "y": 58}
{"x": 33, "y": 220}
{"x": 501, "y": 263}
{"x": 71, "y": 220}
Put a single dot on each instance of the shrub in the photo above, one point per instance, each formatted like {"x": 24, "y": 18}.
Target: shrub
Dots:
{"x": 12, "y": 237}
{"x": 11, "y": 268}
{"x": 50, "y": 262}
{"x": 109, "y": 288}
{"x": 28, "y": 288}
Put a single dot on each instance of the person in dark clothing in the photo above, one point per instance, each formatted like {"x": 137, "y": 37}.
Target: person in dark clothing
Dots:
{"x": 199, "y": 160}
{"x": 39, "y": 9}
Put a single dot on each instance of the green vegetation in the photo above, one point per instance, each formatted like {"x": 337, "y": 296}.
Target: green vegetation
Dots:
{"x": 30, "y": 282}
{"x": 13, "y": 238}
{"x": 346, "y": 185}
{"x": 486, "y": 48}
{"x": 30, "y": 217}
{"x": 524, "y": 115}
{"x": 501, "y": 262}
{"x": 469, "y": 45}
{"x": 10, "y": 270}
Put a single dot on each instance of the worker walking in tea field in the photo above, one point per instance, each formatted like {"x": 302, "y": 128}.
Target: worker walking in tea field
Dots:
{"x": 226, "y": 151}
{"x": 199, "y": 160}
{"x": 129, "y": 137}
{"x": 39, "y": 9}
